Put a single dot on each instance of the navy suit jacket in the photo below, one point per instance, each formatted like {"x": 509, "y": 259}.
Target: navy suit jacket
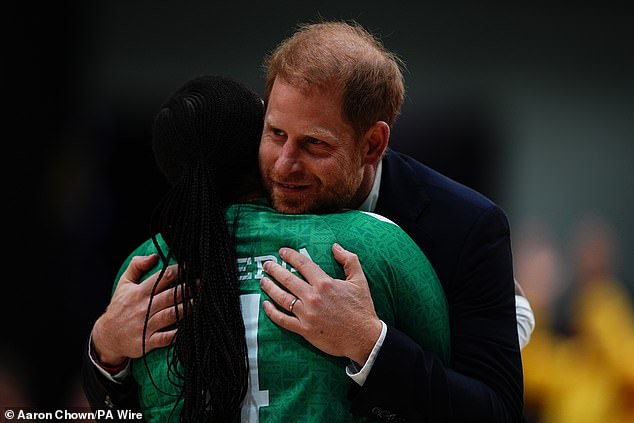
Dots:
{"x": 466, "y": 237}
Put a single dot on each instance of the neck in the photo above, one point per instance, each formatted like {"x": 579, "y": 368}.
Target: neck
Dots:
{"x": 366, "y": 186}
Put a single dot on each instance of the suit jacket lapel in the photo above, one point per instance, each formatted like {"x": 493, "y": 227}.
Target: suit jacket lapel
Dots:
{"x": 403, "y": 198}
{"x": 402, "y": 195}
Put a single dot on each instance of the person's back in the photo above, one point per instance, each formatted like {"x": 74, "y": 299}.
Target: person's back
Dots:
{"x": 289, "y": 379}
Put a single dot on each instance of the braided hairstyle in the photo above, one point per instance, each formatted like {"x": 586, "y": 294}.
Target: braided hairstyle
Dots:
{"x": 205, "y": 140}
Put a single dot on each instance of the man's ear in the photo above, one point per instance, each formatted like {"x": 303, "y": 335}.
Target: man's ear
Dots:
{"x": 376, "y": 139}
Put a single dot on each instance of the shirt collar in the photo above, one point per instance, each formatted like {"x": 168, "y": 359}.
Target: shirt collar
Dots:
{"x": 369, "y": 205}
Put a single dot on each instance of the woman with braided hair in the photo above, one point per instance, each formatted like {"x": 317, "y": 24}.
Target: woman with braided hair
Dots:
{"x": 228, "y": 361}
{"x": 195, "y": 130}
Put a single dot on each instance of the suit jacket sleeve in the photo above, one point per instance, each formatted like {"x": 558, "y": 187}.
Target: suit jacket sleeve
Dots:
{"x": 104, "y": 394}
{"x": 101, "y": 392}
{"x": 483, "y": 382}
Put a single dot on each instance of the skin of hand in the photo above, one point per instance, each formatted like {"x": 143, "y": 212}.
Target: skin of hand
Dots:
{"x": 118, "y": 332}
{"x": 336, "y": 316}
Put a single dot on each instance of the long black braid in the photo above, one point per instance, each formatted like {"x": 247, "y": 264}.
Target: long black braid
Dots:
{"x": 205, "y": 140}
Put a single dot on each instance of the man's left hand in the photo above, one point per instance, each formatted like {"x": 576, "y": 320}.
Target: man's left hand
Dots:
{"x": 336, "y": 316}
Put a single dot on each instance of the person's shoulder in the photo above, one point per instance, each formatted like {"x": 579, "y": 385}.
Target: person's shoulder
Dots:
{"x": 435, "y": 184}
{"x": 350, "y": 216}
{"x": 375, "y": 217}
{"x": 370, "y": 226}
{"x": 149, "y": 246}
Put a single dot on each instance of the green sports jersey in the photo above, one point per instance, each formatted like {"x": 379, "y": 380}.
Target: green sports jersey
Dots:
{"x": 289, "y": 379}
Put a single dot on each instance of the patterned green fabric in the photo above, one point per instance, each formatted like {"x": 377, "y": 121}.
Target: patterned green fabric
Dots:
{"x": 290, "y": 380}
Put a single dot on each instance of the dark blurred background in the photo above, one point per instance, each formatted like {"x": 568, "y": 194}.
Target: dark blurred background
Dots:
{"x": 532, "y": 105}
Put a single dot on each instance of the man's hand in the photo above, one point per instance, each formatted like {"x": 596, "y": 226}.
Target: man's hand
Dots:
{"x": 336, "y": 316}
{"x": 117, "y": 334}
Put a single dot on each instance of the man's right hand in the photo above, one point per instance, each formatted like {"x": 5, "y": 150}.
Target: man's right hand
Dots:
{"x": 117, "y": 334}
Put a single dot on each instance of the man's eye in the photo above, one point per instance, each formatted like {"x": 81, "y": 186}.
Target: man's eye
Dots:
{"x": 278, "y": 132}
{"x": 314, "y": 141}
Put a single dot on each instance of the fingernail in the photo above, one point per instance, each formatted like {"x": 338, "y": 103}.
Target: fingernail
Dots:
{"x": 337, "y": 247}
{"x": 267, "y": 265}
{"x": 283, "y": 252}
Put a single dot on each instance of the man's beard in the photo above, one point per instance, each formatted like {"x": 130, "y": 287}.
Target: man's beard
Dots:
{"x": 326, "y": 200}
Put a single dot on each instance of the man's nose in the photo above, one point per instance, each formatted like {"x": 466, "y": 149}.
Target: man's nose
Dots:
{"x": 289, "y": 159}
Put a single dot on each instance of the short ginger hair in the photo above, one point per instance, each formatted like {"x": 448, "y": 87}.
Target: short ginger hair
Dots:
{"x": 345, "y": 59}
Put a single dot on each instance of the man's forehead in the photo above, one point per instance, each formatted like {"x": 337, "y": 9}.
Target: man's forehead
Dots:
{"x": 331, "y": 89}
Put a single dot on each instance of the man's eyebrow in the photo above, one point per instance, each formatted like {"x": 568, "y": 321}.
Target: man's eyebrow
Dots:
{"x": 316, "y": 132}
{"x": 320, "y": 132}
{"x": 267, "y": 121}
